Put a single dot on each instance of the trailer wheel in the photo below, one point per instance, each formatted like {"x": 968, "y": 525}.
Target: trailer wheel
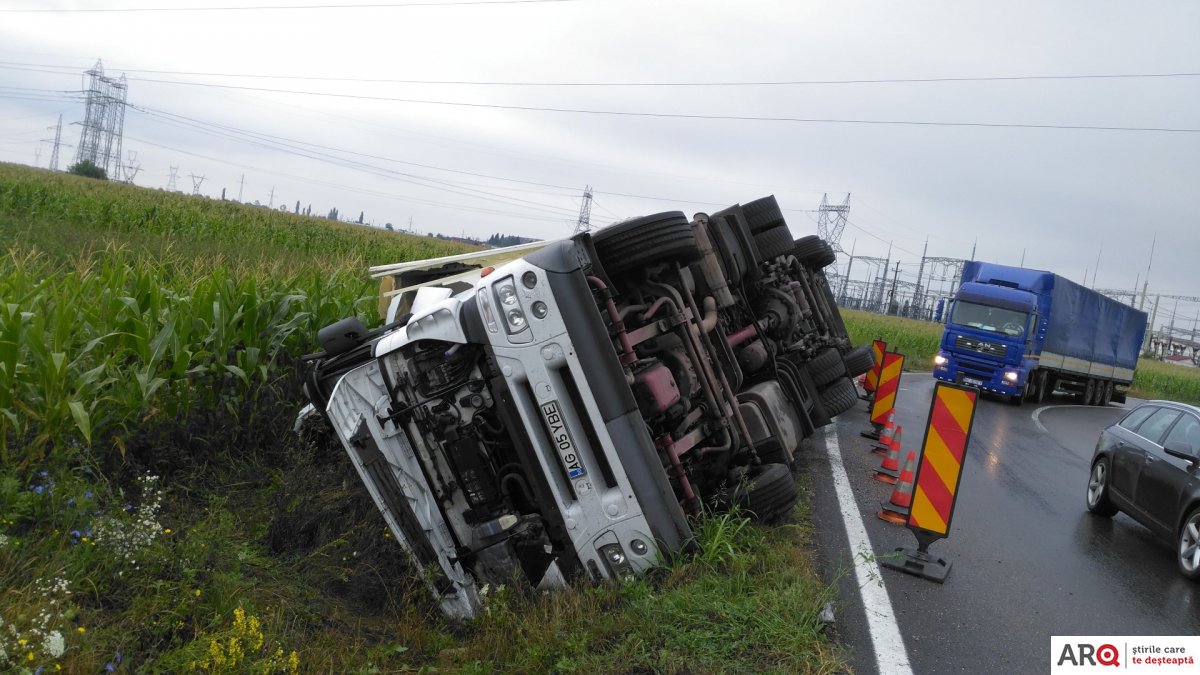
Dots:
{"x": 826, "y": 367}
{"x": 635, "y": 243}
{"x": 859, "y": 360}
{"x": 762, "y": 215}
{"x": 768, "y": 491}
{"x": 1106, "y": 394}
{"x": 839, "y": 397}
{"x": 774, "y": 242}
{"x": 1088, "y": 395}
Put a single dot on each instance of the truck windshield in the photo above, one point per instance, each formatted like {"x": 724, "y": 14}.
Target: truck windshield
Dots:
{"x": 986, "y": 317}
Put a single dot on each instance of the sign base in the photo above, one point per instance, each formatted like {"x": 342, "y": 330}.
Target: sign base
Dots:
{"x": 919, "y": 562}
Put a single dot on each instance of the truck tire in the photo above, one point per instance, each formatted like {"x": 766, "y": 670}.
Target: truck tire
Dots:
{"x": 1088, "y": 394}
{"x": 774, "y": 242}
{"x": 762, "y": 215}
{"x": 1106, "y": 394}
{"x": 1040, "y": 380}
{"x": 826, "y": 367}
{"x": 859, "y": 360}
{"x": 635, "y": 243}
{"x": 768, "y": 492}
{"x": 839, "y": 397}
{"x": 813, "y": 252}
{"x": 773, "y": 452}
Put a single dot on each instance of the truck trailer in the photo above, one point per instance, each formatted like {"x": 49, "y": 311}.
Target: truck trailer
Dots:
{"x": 562, "y": 410}
{"x": 1023, "y": 334}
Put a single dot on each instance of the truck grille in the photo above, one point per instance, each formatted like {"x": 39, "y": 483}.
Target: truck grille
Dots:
{"x": 980, "y": 346}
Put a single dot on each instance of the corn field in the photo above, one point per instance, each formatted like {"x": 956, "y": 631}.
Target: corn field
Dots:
{"x": 120, "y": 305}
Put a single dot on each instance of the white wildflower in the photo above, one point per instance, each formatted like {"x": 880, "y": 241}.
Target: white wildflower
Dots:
{"x": 54, "y": 645}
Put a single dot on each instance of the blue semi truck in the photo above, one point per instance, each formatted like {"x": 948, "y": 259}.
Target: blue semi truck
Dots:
{"x": 1023, "y": 334}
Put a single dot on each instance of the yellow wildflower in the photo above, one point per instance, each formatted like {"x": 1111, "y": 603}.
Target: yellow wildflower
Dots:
{"x": 167, "y": 531}
{"x": 293, "y": 662}
{"x": 196, "y": 592}
{"x": 81, "y": 629}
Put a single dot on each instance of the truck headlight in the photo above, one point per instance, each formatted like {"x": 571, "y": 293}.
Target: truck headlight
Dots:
{"x": 510, "y": 305}
{"x": 615, "y": 560}
{"x": 1012, "y": 375}
{"x": 940, "y": 360}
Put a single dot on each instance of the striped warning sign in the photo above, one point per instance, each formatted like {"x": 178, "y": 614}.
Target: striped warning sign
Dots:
{"x": 946, "y": 436}
{"x": 878, "y": 347}
{"x": 889, "y": 384}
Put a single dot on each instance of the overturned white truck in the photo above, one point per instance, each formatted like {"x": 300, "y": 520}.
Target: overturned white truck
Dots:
{"x": 558, "y": 410}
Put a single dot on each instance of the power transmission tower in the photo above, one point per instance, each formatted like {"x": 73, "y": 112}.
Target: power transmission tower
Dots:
{"x": 585, "y": 212}
{"x": 131, "y": 170}
{"x": 241, "y": 184}
{"x": 197, "y": 181}
{"x": 831, "y": 221}
{"x": 171, "y": 180}
{"x": 271, "y": 201}
{"x": 57, "y": 141}
{"x": 103, "y": 121}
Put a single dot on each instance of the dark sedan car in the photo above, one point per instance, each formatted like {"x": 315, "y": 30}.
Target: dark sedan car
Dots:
{"x": 1145, "y": 465}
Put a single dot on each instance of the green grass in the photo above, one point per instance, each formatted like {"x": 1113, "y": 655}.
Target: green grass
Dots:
{"x": 157, "y": 514}
{"x": 918, "y": 341}
{"x": 1158, "y": 380}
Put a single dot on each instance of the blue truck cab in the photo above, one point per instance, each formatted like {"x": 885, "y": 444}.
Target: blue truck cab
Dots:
{"x": 1023, "y": 333}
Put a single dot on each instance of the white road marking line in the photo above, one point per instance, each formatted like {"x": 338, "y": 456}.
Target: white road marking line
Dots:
{"x": 890, "y": 654}
{"x": 1037, "y": 414}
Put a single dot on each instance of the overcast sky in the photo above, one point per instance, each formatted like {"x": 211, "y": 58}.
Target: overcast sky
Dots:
{"x": 1058, "y": 196}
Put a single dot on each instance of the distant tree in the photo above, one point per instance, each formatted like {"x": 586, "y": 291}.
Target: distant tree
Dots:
{"x": 297, "y": 207}
{"x": 89, "y": 169}
{"x": 333, "y": 213}
{"x": 389, "y": 228}
{"x": 360, "y": 217}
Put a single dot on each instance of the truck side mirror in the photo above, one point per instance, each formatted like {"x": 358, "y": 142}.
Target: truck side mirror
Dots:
{"x": 1182, "y": 451}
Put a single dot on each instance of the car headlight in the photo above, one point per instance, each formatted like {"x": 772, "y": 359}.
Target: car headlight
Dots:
{"x": 614, "y": 558}
{"x": 940, "y": 360}
{"x": 1012, "y": 375}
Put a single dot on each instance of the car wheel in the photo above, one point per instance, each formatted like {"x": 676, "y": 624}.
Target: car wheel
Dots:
{"x": 859, "y": 360}
{"x": 826, "y": 367}
{"x": 768, "y": 491}
{"x": 636, "y": 243}
{"x": 774, "y": 242}
{"x": 1189, "y": 546}
{"x": 1097, "y": 491}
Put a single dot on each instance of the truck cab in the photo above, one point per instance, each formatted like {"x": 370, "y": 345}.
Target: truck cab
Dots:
{"x": 992, "y": 338}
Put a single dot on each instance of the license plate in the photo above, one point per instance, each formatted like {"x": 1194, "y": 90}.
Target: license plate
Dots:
{"x": 972, "y": 382}
{"x": 561, "y": 438}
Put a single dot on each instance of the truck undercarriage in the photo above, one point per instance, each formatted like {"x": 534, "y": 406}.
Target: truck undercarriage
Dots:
{"x": 564, "y": 414}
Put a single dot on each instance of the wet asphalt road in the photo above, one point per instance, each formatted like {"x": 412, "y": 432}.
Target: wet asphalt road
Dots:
{"x": 1028, "y": 560}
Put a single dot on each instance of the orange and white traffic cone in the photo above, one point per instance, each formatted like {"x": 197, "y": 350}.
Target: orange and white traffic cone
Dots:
{"x": 884, "y": 444}
{"x": 896, "y": 509}
{"x": 889, "y": 468}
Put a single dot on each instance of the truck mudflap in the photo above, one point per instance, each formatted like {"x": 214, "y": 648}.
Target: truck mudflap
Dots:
{"x": 393, "y": 474}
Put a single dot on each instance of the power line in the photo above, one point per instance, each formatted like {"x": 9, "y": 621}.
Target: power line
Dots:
{"x": 693, "y": 116}
{"x": 721, "y": 83}
{"x": 244, "y": 8}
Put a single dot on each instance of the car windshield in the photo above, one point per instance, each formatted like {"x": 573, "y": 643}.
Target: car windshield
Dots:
{"x": 986, "y": 317}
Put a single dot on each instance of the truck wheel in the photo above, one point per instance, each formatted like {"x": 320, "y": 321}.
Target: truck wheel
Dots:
{"x": 813, "y": 252}
{"x": 768, "y": 491}
{"x": 859, "y": 360}
{"x": 1106, "y": 394}
{"x": 1089, "y": 393}
{"x": 774, "y": 242}
{"x": 635, "y": 243}
{"x": 762, "y": 215}
{"x": 1040, "y": 381}
{"x": 773, "y": 452}
{"x": 826, "y": 367}
{"x": 839, "y": 397}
